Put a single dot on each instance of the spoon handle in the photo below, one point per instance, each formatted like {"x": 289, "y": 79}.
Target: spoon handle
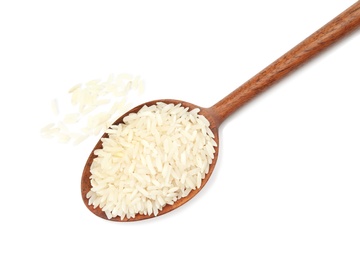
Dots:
{"x": 337, "y": 28}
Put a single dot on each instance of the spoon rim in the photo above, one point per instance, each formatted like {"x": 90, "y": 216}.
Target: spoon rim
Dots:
{"x": 85, "y": 178}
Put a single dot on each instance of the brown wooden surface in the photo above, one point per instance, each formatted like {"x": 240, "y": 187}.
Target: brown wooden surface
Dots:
{"x": 340, "y": 26}
{"x": 336, "y": 29}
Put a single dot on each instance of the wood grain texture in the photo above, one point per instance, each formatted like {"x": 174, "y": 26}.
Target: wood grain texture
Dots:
{"x": 336, "y": 29}
{"x": 333, "y": 31}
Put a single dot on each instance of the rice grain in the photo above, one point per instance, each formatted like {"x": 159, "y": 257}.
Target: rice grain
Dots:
{"x": 153, "y": 154}
{"x": 95, "y": 105}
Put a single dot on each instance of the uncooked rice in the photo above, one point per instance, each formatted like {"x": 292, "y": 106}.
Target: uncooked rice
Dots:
{"x": 154, "y": 158}
{"x": 93, "y": 107}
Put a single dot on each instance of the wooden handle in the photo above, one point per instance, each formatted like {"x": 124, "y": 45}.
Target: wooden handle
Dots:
{"x": 340, "y": 26}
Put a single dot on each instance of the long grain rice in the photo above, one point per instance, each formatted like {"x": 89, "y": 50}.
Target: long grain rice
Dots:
{"x": 94, "y": 105}
{"x": 167, "y": 156}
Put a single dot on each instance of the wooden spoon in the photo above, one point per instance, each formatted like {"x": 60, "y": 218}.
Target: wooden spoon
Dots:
{"x": 333, "y": 31}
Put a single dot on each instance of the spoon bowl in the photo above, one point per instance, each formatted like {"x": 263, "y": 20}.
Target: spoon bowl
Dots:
{"x": 336, "y": 29}
{"x": 210, "y": 115}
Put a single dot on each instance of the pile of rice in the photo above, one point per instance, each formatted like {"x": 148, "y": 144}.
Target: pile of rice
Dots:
{"x": 155, "y": 157}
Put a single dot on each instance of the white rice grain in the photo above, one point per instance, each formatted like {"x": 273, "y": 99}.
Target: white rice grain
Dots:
{"x": 152, "y": 159}
{"x": 55, "y": 107}
{"x": 96, "y": 104}
{"x": 71, "y": 118}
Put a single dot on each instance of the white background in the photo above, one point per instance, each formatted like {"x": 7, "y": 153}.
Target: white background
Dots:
{"x": 287, "y": 182}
